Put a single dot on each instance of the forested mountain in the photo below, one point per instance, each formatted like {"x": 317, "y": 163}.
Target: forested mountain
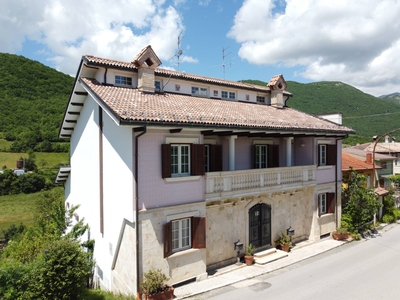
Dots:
{"x": 366, "y": 114}
{"x": 395, "y": 98}
{"x": 33, "y": 98}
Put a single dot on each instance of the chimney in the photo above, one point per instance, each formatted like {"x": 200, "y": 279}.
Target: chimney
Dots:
{"x": 386, "y": 139}
{"x": 369, "y": 158}
{"x": 277, "y": 85}
{"x": 146, "y": 62}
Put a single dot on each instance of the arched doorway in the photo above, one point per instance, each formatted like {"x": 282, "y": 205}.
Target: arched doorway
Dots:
{"x": 260, "y": 225}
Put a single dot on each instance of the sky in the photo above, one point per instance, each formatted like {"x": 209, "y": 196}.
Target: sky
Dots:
{"x": 355, "y": 42}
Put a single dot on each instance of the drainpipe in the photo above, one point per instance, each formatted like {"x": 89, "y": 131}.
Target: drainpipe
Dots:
{"x": 137, "y": 209}
{"x": 336, "y": 185}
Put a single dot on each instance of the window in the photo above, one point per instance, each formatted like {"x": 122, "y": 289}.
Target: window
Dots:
{"x": 196, "y": 91}
{"x": 261, "y": 156}
{"x": 260, "y": 99}
{"x": 322, "y": 155}
{"x": 326, "y": 203}
{"x": 327, "y": 155}
{"x": 384, "y": 164}
{"x": 123, "y": 80}
{"x": 157, "y": 85}
{"x": 183, "y": 234}
{"x": 182, "y": 160}
{"x": 180, "y": 235}
{"x": 322, "y": 204}
{"x": 180, "y": 157}
{"x": 228, "y": 95}
{"x": 265, "y": 156}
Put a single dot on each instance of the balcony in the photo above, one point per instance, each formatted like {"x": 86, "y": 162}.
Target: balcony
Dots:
{"x": 226, "y": 184}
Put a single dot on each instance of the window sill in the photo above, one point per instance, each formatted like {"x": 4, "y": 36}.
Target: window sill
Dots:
{"x": 325, "y": 167}
{"x": 326, "y": 215}
{"x": 183, "y": 178}
{"x": 183, "y": 252}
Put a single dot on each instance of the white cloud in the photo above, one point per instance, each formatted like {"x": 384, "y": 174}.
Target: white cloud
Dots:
{"x": 69, "y": 29}
{"x": 356, "y": 42}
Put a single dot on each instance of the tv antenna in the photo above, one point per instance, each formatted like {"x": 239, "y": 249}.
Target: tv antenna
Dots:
{"x": 179, "y": 51}
{"x": 223, "y": 60}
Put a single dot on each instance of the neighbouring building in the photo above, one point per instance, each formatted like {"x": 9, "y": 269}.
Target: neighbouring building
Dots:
{"x": 170, "y": 169}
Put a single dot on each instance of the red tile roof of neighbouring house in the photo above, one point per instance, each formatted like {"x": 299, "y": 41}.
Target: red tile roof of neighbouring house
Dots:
{"x": 349, "y": 162}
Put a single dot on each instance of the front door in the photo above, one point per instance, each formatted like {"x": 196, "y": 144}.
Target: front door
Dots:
{"x": 260, "y": 225}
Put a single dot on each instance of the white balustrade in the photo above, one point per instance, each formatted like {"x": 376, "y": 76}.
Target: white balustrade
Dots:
{"x": 230, "y": 181}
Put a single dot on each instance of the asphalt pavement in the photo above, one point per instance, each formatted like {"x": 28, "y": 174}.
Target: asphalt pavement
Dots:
{"x": 234, "y": 273}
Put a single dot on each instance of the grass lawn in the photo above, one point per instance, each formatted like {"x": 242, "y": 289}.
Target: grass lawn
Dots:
{"x": 16, "y": 209}
{"x": 44, "y": 160}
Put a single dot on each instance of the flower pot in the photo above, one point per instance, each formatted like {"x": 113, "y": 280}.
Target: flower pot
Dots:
{"x": 164, "y": 295}
{"x": 249, "y": 259}
{"x": 285, "y": 247}
{"x": 340, "y": 237}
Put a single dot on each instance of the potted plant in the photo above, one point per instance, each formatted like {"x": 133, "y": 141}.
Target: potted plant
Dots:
{"x": 284, "y": 241}
{"x": 154, "y": 286}
{"x": 248, "y": 256}
{"x": 340, "y": 234}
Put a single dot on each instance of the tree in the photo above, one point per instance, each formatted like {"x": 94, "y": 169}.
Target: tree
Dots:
{"x": 360, "y": 203}
{"x": 395, "y": 179}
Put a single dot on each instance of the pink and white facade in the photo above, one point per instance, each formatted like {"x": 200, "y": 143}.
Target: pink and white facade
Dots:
{"x": 170, "y": 169}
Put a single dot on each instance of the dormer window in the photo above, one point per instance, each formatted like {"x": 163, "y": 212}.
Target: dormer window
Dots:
{"x": 149, "y": 62}
{"x": 199, "y": 91}
{"x": 228, "y": 95}
{"x": 123, "y": 80}
{"x": 157, "y": 85}
{"x": 260, "y": 99}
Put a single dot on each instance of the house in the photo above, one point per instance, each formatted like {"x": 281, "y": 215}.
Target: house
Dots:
{"x": 171, "y": 169}
{"x": 365, "y": 168}
{"x": 385, "y": 161}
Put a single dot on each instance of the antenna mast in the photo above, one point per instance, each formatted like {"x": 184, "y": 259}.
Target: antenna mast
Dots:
{"x": 223, "y": 59}
{"x": 179, "y": 53}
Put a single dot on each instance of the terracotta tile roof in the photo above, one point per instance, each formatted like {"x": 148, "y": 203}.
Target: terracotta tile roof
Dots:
{"x": 380, "y": 147}
{"x": 97, "y": 61}
{"x": 381, "y": 191}
{"x": 354, "y": 151}
{"x": 132, "y": 106}
{"x": 349, "y": 162}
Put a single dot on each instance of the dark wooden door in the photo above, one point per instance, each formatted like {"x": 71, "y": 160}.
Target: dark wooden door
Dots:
{"x": 260, "y": 225}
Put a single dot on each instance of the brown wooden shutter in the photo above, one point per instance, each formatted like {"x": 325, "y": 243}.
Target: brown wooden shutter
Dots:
{"x": 198, "y": 233}
{"x": 166, "y": 160}
{"x": 330, "y": 203}
{"x": 331, "y": 155}
{"x": 167, "y": 236}
{"x": 215, "y": 158}
{"x": 197, "y": 156}
{"x": 273, "y": 156}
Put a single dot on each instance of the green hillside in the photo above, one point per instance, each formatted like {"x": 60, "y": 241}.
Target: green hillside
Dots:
{"x": 33, "y": 98}
{"x": 366, "y": 114}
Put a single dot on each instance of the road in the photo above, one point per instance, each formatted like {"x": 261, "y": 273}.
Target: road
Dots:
{"x": 360, "y": 270}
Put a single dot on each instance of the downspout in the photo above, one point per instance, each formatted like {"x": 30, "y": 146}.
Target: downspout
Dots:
{"x": 137, "y": 209}
{"x": 336, "y": 185}
{"x": 105, "y": 76}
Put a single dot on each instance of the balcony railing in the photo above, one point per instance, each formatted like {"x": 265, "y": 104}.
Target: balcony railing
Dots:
{"x": 229, "y": 183}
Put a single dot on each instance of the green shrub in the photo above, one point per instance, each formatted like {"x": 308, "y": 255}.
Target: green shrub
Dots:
{"x": 63, "y": 271}
{"x": 397, "y": 214}
{"x": 13, "y": 231}
{"x": 15, "y": 281}
{"x": 154, "y": 282}
{"x": 388, "y": 218}
{"x": 346, "y": 222}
